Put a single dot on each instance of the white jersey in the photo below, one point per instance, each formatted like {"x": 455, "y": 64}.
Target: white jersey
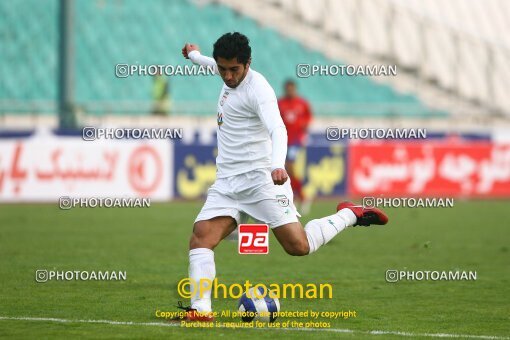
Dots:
{"x": 249, "y": 122}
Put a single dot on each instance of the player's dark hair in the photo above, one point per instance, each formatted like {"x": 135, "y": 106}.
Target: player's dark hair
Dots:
{"x": 289, "y": 82}
{"x": 232, "y": 45}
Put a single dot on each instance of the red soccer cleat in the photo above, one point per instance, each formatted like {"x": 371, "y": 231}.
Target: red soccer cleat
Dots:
{"x": 365, "y": 216}
{"x": 192, "y": 314}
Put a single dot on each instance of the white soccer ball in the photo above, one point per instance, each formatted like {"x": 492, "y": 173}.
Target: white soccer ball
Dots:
{"x": 259, "y": 307}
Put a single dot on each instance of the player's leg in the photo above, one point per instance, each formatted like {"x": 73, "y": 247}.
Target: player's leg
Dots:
{"x": 305, "y": 202}
{"x": 216, "y": 220}
{"x": 299, "y": 241}
{"x": 316, "y": 233}
{"x": 207, "y": 234}
{"x": 293, "y": 239}
{"x": 297, "y": 186}
{"x": 273, "y": 204}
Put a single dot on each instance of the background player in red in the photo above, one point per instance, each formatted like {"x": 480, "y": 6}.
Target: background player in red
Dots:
{"x": 296, "y": 115}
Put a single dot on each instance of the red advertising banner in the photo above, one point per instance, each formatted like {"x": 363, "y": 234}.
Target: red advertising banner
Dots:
{"x": 45, "y": 167}
{"x": 442, "y": 168}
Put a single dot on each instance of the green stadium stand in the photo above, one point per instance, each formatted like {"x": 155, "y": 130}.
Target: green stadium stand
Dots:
{"x": 110, "y": 32}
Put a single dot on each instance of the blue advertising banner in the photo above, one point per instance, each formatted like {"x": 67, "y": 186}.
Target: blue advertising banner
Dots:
{"x": 323, "y": 170}
{"x": 194, "y": 169}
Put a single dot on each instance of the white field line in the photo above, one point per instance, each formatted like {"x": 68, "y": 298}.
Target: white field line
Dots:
{"x": 334, "y": 330}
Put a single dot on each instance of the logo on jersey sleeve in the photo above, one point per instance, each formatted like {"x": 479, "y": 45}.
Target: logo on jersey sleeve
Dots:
{"x": 224, "y": 97}
{"x": 283, "y": 201}
{"x": 220, "y": 118}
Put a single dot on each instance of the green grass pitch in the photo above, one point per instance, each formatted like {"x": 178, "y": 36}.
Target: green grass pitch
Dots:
{"x": 151, "y": 246}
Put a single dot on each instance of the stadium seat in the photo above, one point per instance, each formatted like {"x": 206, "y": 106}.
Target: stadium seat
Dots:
{"x": 117, "y": 32}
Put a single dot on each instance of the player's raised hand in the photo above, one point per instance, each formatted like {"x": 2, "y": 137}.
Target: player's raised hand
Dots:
{"x": 188, "y": 48}
{"x": 279, "y": 176}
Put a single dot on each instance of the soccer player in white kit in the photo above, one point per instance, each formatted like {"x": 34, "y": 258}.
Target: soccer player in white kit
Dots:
{"x": 251, "y": 179}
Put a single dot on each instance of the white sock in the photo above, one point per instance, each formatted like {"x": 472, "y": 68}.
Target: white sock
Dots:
{"x": 321, "y": 231}
{"x": 201, "y": 266}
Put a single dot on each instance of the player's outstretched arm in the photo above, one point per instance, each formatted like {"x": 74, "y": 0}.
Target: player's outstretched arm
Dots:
{"x": 192, "y": 52}
{"x": 278, "y": 135}
{"x": 266, "y": 105}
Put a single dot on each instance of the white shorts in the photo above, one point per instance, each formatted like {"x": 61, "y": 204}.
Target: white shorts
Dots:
{"x": 250, "y": 194}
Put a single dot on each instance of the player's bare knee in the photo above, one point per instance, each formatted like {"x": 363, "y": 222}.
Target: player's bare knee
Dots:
{"x": 201, "y": 239}
{"x": 196, "y": 242}
{"x": 201, "y": 242}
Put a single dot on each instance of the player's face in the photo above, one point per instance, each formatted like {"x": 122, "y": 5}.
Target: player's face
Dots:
{"x": 290, "y": 90}
{"x": 231, "y": 71}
